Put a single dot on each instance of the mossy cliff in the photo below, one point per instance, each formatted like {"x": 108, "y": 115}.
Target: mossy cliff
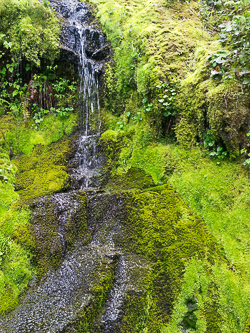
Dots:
{"x": 162, "y": 42}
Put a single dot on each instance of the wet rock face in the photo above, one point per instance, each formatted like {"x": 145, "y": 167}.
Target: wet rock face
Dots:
{"x": 93, "y": 288}
{"x": 57, "y": 222}
{"x": 58, "y": 302}
{"x": 76, "y": 14}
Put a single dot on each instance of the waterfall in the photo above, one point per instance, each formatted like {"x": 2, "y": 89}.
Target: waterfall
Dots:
{"x": 88, "y": 44}
{"x": 66, "y": 293}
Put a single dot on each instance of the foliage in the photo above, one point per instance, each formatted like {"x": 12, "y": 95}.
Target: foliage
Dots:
{"x": 42, "y": 94}
{"x": 210, "y": 143}
{"x": 232, "y": 20}
{"x": 29, "y": 29}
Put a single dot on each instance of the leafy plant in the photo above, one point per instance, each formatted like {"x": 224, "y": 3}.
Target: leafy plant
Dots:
{"x": 233, "y": 21}
{"x": 30, "y": 28}
{"x": 147, "y": 107}
{"x": 219, "y": 153}
{"x": 209, "y": 143}
{"x": 208, "y": 138}
{"x": 62, "y": 112}
{"x": 120, "y": 125}
{"x": 168, "y": 92}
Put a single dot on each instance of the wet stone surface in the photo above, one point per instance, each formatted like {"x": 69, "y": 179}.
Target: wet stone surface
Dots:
{"x": 57, "y": 303}
{"x": 86, "y": 164}
{"x": 78, "y": 234}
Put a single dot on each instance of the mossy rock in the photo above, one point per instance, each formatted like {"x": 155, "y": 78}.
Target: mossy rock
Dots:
{"x": 45, "y": 171}
{"x": 134, "y": 178}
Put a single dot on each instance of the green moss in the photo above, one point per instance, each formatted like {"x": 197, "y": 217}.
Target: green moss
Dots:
{"x": 161, "y": 228}
{"x": 16, "y": 258}
{"x": 112, "y": 143}
{"x": 205, "y": 102}
{"x": 247, "y": 329}
{"x": 44, "y": 172}
{"x": 133, "y": 178}
{"x": 137, "y": 313}
{"x": 23, "y": 236}
{"x": 15, "y": 135}
{"x": 9, "y": 300}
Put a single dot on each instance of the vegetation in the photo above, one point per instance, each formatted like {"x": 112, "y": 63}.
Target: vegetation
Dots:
{"x": 176, "y": 111}
{"x": 30, "y": 89}
{"x": 177, "y": 108}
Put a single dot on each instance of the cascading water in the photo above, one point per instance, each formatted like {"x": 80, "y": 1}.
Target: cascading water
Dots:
{"x": 57, "y": 303}
{"x": 89, "y": 44}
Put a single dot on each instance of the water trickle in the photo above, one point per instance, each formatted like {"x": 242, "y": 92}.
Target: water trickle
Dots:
{"x": 88, "y": 43}
{"x": 64, "y": 294}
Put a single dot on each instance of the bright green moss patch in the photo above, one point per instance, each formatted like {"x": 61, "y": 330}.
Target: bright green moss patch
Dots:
{"x": 134, "y": 178}
{"x": 15, "y": 258}
{"x": 161, "y": 228}
{"x": 44, "y": 171}
{"x": 20, "y": 139}
{"x": 133, "y": 148}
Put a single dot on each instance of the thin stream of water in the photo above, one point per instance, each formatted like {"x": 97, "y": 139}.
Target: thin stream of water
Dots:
{"x": 55, "y": 304}
{"x": 86, "y": 42}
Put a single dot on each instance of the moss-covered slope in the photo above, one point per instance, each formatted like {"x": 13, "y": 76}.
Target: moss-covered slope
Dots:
{"x": 44, "y": 171}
